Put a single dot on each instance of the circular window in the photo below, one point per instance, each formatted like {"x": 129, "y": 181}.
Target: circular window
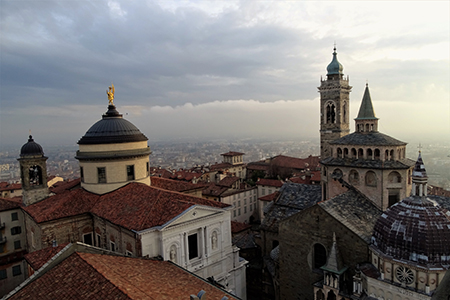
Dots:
{"x": 404, "y": 275}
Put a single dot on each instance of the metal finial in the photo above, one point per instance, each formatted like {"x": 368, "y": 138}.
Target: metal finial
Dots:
{"x": 420, "y": 148}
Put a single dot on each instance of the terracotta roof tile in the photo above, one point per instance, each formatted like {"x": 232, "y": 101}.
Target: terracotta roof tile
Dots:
{"x": 220, "y": 166}
{"x": 38, "y": 258}
{"x": 228, "y": 181}
{"x": 96, "y": 276}
{"x": 175, "y": 185}
{"x": 5, "y": 186}
{"x": 238, "y": 226}
{"x": 62, "y": 186}
{"x": 269, "y": 182}
{"x": 232, "y": 153}
{"x": 135, "y": 206}
{"x": 9, "y": 203}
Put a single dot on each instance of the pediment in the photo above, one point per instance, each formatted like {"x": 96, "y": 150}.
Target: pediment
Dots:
{"x": 192, "y": 214}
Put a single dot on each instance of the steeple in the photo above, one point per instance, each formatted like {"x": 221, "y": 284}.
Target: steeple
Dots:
{"x": 334, "y": 106}
{"x": 366, "y": 120}
{"x": 334, "y": 267}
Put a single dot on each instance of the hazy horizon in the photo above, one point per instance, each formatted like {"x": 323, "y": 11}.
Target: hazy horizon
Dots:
{"x": 226, "y": 70}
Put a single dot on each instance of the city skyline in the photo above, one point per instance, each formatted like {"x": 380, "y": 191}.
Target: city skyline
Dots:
{"x": 219, "y": 69}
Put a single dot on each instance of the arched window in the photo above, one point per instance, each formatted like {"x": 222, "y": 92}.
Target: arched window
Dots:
{"x": 345, "y": 152}
{"x": 339, "y": 152}
{"x": 392, "y": 155}
{"x": 331, "y": 295}
{"x": 353, "y": 152}
{"x": 371, "y": 178}
{"x": 369, "y": 154}
{"x": 344, "y": 108}
{"x": 320, "y": 256}
{"x": 367, "y": 127}
{"x": 394, "y": 177}
{"x": 377, "y": 154}
{"x": 386, "y": 155}
{"x": 320, "y": 295}
{"x": 35, "y": 175}
{"x": 360, "y": 153}
{"x": 337, "y": 174}
{"x": 330, "y": 111}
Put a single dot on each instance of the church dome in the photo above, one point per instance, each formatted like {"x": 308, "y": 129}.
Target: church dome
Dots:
{"x": 31, "y": 148}
{"x": 335, "y": 66}
{"x": 112, "y": 128}
{"x": 416, "y": 229}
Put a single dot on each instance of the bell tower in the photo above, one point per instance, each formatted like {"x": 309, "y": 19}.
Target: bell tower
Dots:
{"x": 334, "y": 106}
{"x": 33, "y": 172}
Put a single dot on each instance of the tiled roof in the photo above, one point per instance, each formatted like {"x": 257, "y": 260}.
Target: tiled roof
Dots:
{"x": 220, "y": 166}
{"x": 214, "y": 190}
{"x": 9, "y": 203}
{"x": 135, "y": 206}
{"x": 258, "y": 166}
{"x": 62, "y": 186}
{"x": 5, "y": 186}
{"x": 368, "y": 139}
{"x": 366, "y": 163}
{"x": 232, "y": 153}
{"x": 185, "y": 175}
{"x": 311, "y": 162}
{"x": 38, "y": 258}
{"x": 159, "y": 172}
{"x": 293, "y": 198}
{"x": 354, "y": 211}
{"x": 175, "y": 185}
{"x": 270, "y": 182}
{"x": 228, "y": 181}
{"x": 95, "y": 276}
{"x": 270, "y": 197}
{"x": 239, "y": 226}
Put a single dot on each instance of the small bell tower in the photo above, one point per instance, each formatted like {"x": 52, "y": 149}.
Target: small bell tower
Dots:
{"x": 33, "y": 172}
{"x": 334, "y": 106}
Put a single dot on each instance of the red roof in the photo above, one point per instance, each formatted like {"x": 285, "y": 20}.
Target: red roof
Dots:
{"x": 228, "y": 181}
{"x": 135, "y": 206}
{"x": 185, "y": 175}
{"x": 270, "y": 182}
{"x": 38, "y": 258}
{"x": 66, "y": 185}
{"x": 213, "y": 190}
{"x": 237, "y": 227}
{"x": 159, "y": 172}
{"x": 175, "y": 185}
{"x": 311, "y": 162}
{"x": 95, "y": 276}
{"x": 5, "y": 186}
{"x": 220, "y": 166}
{"x": 270, "y": 197}
{"x": 10, "y": 203}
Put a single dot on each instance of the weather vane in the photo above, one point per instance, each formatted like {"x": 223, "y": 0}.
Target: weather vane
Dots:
{"x": 110, "y": 94}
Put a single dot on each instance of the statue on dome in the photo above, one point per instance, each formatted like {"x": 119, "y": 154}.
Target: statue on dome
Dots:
{"x": 110, "y": 94}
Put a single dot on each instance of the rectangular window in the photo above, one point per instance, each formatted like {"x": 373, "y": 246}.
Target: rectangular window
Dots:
{"x": 101, "y": 174}
{"x": 263, "y": 192}
{"x": 148, "y": 169}
{"x": 130, "y": 172}
{"x": 193, "y": 246}
{"x": 245, "y": 209}
{"x": 81, "y": 174}
{"x": 16, "y": 270}
{"x": 254, "y": 206}
{"x": 17, "y": 245}
{"x": 87, "y": 239}
{"x": 16, "y": 230}
{"x": 245, "y": 201}
{"x": 251, "y": 207}
{"x": 3, "y": 274}
{"x": 112, "y": 246}
{"x": 14, "y": 216}
{"x": 239, "y": 203}
{"x": 239, "y": 211}
{"x": 234, "y": 213}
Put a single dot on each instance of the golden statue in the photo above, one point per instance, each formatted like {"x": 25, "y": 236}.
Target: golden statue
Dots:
{"x": 110, "y": 94}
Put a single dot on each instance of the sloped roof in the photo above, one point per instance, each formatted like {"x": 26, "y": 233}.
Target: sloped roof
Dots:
{"x": 354, "y": 211}
{"x": 405, "y": 163}
{"x": 175, "y": 185}
{"x": 237, "y": 227}
{"x": 38, "y": 258}
{"x": 62, "y": 186}
{"x": 368, "y": 139}
{"x": 213, "y": 190}
{"x": 9, "y": 203}
{"x": 295, "y": 162}
{"x": 270, "y": 182}
{"x": 5, "y": 186}
{"x": 293, "y": 198}
{"x": 134, "y": 206}
{"x": 97, "y": 276}
{"x": 220, "y": 166}
{"x": 232, "y": 153}
{"x": 228, "y": 181}
{"x": 366, "y": 111}
{"x": 159, "y": 172}
{"x": 270, "y": 197}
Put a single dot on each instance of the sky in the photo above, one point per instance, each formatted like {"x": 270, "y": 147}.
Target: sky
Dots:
{"x": 219, "y": 69}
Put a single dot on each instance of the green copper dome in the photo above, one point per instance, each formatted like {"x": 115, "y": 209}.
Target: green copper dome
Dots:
{"x": 335, "y": 66}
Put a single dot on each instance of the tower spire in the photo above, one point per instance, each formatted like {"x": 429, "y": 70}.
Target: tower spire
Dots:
{"x": 366, "y": 120}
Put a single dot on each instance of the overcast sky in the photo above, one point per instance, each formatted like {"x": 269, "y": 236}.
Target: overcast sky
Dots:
{"x": 211, "y": 69}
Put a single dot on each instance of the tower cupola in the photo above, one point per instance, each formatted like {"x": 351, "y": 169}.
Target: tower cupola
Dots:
{"x": 335, "y": 67}
{"x": 33, "y": 172}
